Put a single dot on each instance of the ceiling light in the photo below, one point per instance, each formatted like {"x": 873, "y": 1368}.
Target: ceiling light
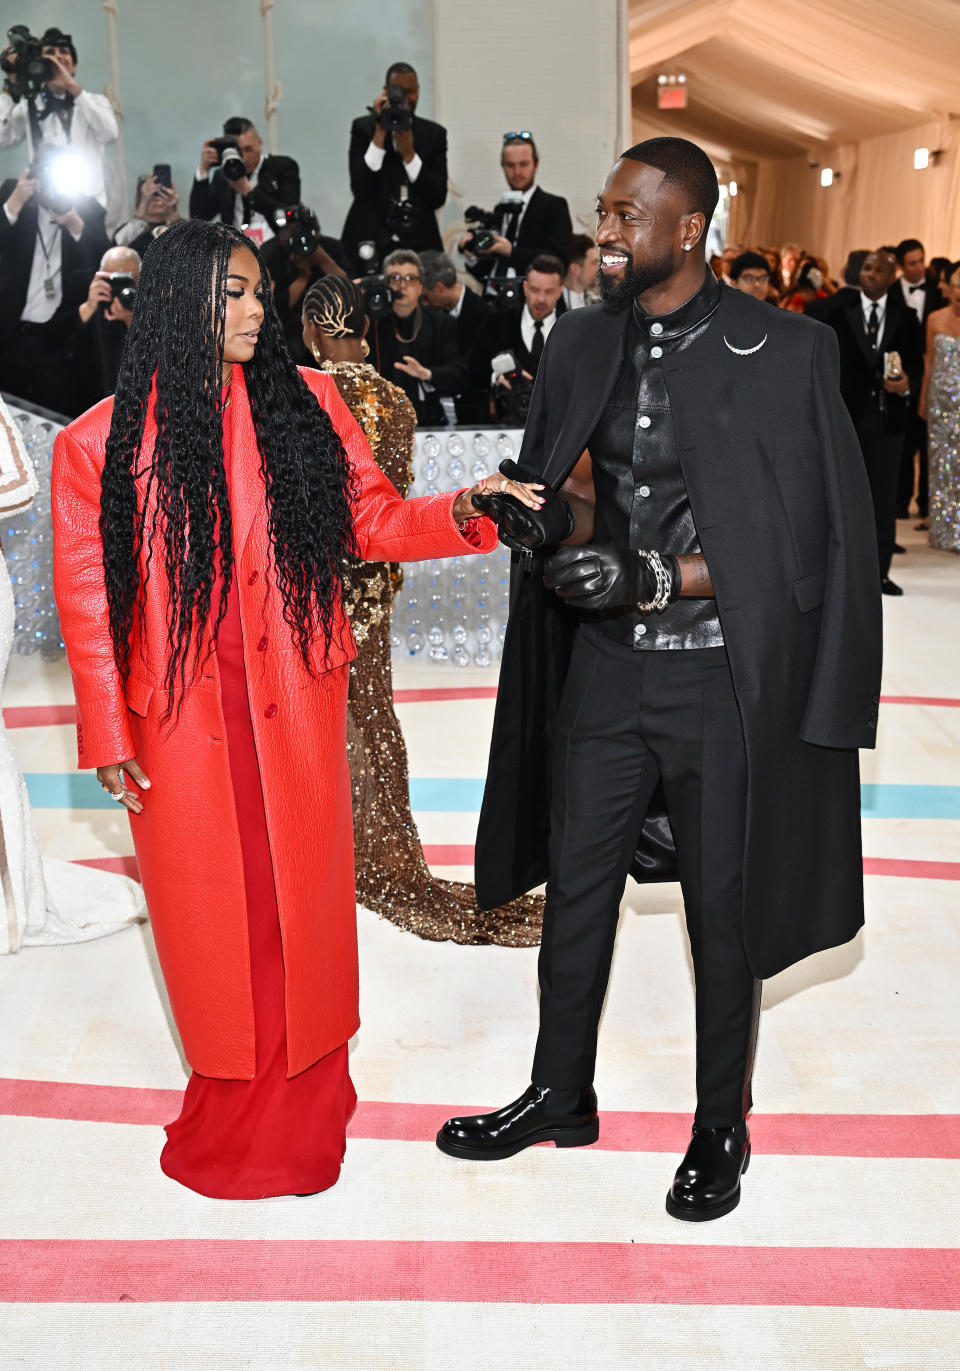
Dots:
{"x": 826, "y": 176}
{"x": 921, "y": 159}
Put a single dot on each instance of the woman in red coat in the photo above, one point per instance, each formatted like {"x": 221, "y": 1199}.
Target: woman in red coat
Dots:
{"x": 201, "y": 517}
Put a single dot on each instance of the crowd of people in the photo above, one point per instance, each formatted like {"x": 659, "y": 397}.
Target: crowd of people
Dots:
{"x": 461, "y": 332}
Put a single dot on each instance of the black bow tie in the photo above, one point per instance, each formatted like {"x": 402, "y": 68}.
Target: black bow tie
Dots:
{"x": 915, "y": 288}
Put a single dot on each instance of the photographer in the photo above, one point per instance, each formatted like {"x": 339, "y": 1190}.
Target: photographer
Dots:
{"x": 582, "y": 272}
{"x": 48, "y": 247}
{"x": 235, "y": 181}
{"x": 531, "y": 221}
{"x": 416, "y": 346}
{"x": 296, "y": 256}
{"x": 522, "y": 333}
{"x": 156, "y": 207}
{"x": 105, "y": 316}
{"x": 398, "y": 171}
{"x": 444, "y": 291}
{"x": 43, "y": 102}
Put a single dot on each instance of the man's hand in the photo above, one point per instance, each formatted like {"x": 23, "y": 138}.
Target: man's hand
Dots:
{"x": 605, "y": 576}
{"x": 244, "y": 186}
{"x": 898, "y": 387}
{"x": 522, "y": 526}
{"x": 22, "y": 193}
{"x": 403, "y": 142}
{"x": 98, "y": 294}
{"x": 379, "y": 133}
{"x": 112, "y": 780}
{"x": 71, "y": 221}
{"x": 412, "y": 367}
{"x": 63, "y": 80}
{"x": 500, "y": 247}
{"x": 209, "y": 156}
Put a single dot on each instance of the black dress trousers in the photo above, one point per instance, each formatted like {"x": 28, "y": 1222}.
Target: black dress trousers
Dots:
{"x": 627, "y": 720}
{"x": 881, "y": 455}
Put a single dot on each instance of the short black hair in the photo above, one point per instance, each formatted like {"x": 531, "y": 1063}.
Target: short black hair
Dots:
{"x": 438, "y": 270}
{"x": 549, "y": 265}
{"x": 851, "y": 270}
{"x": 907, "y": 245}
{"x": 56, "y": 38}
{"x": 400, "y": 69}
{"x": 233, "y": 128}
{"x": 745, "y": 262}
{"x": 685, "y": 165}
{"x": 580, "y": 245}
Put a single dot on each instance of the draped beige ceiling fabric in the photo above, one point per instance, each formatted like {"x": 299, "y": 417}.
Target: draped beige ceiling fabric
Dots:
{"x": 776, "y": 92}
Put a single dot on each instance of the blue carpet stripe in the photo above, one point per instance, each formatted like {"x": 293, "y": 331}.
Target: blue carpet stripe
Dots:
{"x": 462, "y": 795}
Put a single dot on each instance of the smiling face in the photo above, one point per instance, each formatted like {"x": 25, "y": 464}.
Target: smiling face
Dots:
{"x": 244, "y": 309}
{"x": 642, "y": 227}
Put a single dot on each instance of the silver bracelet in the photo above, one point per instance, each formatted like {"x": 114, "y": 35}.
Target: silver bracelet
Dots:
{"x": 664, "y": 583}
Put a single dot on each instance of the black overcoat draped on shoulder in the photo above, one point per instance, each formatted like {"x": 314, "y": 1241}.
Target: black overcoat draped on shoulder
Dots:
{"x": 779, "y": 495}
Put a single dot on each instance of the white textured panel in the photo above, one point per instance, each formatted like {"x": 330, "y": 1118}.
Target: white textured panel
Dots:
{"x": 555, "y": 68}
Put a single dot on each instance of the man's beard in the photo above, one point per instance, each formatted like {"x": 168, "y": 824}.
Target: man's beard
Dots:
{"x": 617, "y": 292}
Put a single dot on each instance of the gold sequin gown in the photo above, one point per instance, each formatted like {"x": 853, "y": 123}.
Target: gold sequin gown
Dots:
{"x": 392, "y": 876}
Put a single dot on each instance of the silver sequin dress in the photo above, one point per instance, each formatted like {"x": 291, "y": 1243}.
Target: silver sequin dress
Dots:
{"x": 943, "y": 438}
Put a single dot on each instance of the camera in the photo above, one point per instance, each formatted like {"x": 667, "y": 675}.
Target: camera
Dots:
{"x": 504, "y": 293}
{"x": 511, "y": 405}
{"x": 29, "y": 74}
{"x": 123, "y": 288}
{"x": 231, "y": 162}
{"x": 395, "y": 116}
{"x": 485, "y": 223}
{"x": 401, "y": 219}
{"x": 377, "y": 296}
{"x": 298, "y": 228}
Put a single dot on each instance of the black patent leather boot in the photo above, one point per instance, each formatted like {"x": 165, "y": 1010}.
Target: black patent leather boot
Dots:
{"x": 567, "y": 1118}
{"x": 707, "y": 1183}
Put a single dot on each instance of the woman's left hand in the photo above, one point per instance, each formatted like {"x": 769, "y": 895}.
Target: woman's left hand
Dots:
{"x": 497, "y": 484}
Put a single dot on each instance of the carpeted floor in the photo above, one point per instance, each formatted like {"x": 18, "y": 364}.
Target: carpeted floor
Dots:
{"x": 844, "y": 1253}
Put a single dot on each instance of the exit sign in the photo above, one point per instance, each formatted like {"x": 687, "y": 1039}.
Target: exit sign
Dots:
{"x": 671, "y": 97}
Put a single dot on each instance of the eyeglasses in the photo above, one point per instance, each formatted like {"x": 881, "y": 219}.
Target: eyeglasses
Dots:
{"x": 755, "y": 278}
{"x": 396, "y": 279}
{"x": 523, "y": 135}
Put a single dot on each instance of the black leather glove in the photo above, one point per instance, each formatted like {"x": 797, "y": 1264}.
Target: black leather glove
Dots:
{"x": 522, "y": 528}
{"x": 606, "y": 576}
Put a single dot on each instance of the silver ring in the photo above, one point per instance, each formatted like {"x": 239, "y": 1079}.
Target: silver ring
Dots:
{"x": 119, "y": 795}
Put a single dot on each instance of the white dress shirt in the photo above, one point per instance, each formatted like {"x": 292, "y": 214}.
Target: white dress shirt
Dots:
{"x": 256, "y": 220}
{"x": 41, "y": 304}
{"x": 94, "y": 124}
{"x": 511, "y": 271}
{"x": 866, "y": 305}
{"x": 454, "y": 311}
{"x": 915, "y": 296}
{"x": 374, "y": 158}
{"x": 527, "y": 329}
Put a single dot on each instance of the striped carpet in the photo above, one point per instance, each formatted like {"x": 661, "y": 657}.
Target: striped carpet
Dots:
{"x": 844, "y": 1253}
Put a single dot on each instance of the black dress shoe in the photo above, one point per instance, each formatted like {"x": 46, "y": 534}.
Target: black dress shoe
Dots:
{"x": 707, "y": 1183}
{"x": 898, "y": 547}
{"x": 567, "y": 1118}
{"x": 890, "y": 587}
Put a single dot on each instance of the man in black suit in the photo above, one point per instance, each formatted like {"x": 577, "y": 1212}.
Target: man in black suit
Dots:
{"x": 398, "y": 179}
{"x": 524, "y": 330}
{"x": 869, "y": 325}
{"x": 416, "y": 346}
{"x": 685, "y": 686}
{"x": 533, "y": 221}
{"x": 251, "y": 201}
{"x": 48, "y": 251}
{"x": 923, "y": 297}
{"x": 443, "y": 290}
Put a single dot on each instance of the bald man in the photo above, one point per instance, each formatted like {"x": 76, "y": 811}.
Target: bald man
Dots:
{"x": 105, "y": 316}
{"x": 687, "y": 677}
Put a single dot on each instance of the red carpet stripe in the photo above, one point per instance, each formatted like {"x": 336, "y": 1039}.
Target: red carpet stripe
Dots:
{"x": 924, "y": 871}
{"x": 120, "y": 866}
{"x": 205, "y": 1270}
{"x": 39, "y": 716}
{"x": 832, "y": 1135}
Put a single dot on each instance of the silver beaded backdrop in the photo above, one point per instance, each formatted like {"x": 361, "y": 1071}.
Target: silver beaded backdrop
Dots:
{"x": 454, "y": 610}
{"x": 28, "y": 547}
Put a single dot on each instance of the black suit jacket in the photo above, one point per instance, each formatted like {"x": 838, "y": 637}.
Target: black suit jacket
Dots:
{"x": 779, "y": 493}
{"x": 499, "y": 332}
{"x": 78, "y": 261}
{"x": 861, "y": 369}
{"x": 545, "y": 227}
{"x": 278, "y": 186}
{"x": 473, "y": 402}
{"x": 435, "y": 346}
{"x": 374, "y": 190}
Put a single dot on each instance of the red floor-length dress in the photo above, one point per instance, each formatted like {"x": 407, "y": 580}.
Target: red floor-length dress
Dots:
{"x": 246, "y": 1140}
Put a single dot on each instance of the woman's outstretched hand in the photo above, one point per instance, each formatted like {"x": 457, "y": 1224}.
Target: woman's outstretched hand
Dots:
{"x": 112, "y": 780}
{"x": 464, "y": 506}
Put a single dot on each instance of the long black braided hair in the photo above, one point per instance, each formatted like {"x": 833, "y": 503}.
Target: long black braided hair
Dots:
{"x": 177, "y": 337}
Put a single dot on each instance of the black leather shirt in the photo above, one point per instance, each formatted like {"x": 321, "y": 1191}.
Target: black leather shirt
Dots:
{"x": 641, "y": 496}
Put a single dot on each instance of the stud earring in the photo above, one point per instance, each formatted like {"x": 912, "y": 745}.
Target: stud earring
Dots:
{"x": 687, "y": 247}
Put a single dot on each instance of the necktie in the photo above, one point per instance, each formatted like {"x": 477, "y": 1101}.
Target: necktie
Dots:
{"x": 873, "y": 327}
{"x": 536, "y": 350}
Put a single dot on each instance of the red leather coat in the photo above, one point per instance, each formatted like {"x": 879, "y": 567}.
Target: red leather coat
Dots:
{"x": 186, "y": 839}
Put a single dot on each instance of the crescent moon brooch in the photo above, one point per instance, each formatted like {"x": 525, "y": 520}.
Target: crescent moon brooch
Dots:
{"x": 745, "y": 352}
